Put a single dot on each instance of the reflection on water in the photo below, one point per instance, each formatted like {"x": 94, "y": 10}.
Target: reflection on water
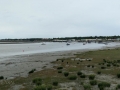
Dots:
{"x": 18, "y": 49}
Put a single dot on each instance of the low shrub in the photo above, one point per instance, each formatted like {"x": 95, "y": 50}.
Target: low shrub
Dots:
{"x": 117, "y": 65}
{"x": 42, "y": 87}
{"x": 49, "y": 87}
{"x": 92, "y": 66}
{"x": 77, "y": 62}
{"x": 87, "y": 87}
{"x": 82, "y": 83}
{"x": 118, "y": 75}
{"x": 118, "y": 87}
{"x": 79, "y": 73}
{"x": 66, "y": 74}
{"x": 60, "y": 68}
{"x": 89, "y": 60}
{"x": 83, "y": 76}
{"x": 32, "y": 71}
{"x": 88, "y": 65}
{"x": 62, "y": 60}
{"x": 114, "y": 64}
{"x": 108, "y": 65}
{"x": 93, "y": 82}
{"x": 103, "y": 63}
{"x": 102, "y": 85}
{"x": 1, "y": 77}
{"x": 72, "y": 77}
{"x": 91, "y": 77}
{"x": 60, "y": 71}
{"x": 103, "y": 67}
{"x": 37, "y": 81}
{"x": 99, "y": 72}
{"x": 104, "y": 60}
{"x": 55, "y": 83}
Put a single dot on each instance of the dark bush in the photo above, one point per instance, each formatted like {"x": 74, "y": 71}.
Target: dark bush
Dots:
{"x": 114, "y": 64}
{"x": 91, "y": 77}
{"x": 102, "y": 85}
{"x": 92, "y": 66}
{"x": 72, "y": 77}
{"x": 104, "y": 60}
{"x": 55, "y": 83}
{"x": 1, "y": 77}
{"x": 88, "y": 65}
{"x": 60, "y": 71}
{"x": 49, "y": 87}
{"x": 83, "y": 76}
{"x": 103, "y": 63}
{"x": 117, "y": 65}
{"x": 32, "y": 71}
{"x": 37, "y": 81}
{"x": 118, "y": 75}
{"x": 87, "y": 87}
{"x": 108, "y": 65}
{"x": 99, "y": 72}
{"x": 77, "y": 62}
{"x": 93, "y": 82}
{"x": 79, "y": 73}
{"x": 42, "y": 87}
{"x": 103, "y": 67}
{"x": 118, "y": 87}
{"x": 118, "y": 61}
{"x": 60, "y": 68}
{"x": 62, "y": 60}
{"x": 66, "y": 74}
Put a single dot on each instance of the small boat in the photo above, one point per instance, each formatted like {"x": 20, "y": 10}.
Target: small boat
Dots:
{"x": 84, "y": 43}
{"x": 43, "y": 44}
{"x": 67, "y": 44}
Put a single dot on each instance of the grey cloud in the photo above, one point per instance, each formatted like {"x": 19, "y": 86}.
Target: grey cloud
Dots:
{"x": 58, "y": 18}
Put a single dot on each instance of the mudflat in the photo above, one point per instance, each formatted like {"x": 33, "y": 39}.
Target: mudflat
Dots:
{"x": 16, "y": 68}
{"x": 20, "y": 65}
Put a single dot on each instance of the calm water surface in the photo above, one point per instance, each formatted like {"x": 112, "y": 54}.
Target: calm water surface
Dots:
{"x": 18, "y": 49}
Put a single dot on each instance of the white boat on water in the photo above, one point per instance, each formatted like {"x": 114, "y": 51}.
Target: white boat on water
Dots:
{"x": 67, "y": 44}
{"x": 84, "y": 43}
{"x": 43, "y": 44}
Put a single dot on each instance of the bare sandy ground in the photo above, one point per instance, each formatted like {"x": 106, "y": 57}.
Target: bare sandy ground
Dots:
{"x": 20, "y": 65}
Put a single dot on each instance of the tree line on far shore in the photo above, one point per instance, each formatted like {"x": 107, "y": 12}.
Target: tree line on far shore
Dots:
{"x": 60, "y": 38}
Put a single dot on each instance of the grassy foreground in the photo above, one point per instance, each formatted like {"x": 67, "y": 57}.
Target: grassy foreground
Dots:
{"x": 92, "y": 70}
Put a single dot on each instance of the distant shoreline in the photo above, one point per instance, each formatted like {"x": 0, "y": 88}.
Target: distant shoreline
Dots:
{"x": 17, "y": 42}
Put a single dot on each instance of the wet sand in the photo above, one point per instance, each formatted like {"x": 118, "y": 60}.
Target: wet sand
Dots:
{"x": 20, "y": 65}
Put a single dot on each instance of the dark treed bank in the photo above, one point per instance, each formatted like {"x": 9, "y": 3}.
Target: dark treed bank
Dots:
{"x": 65, "y": 39}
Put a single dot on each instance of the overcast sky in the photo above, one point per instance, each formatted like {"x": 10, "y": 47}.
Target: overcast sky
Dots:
{"x": 59, "y": 18}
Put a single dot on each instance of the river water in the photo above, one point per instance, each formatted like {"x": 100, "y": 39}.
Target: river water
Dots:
{"x": 31, "y": 48}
